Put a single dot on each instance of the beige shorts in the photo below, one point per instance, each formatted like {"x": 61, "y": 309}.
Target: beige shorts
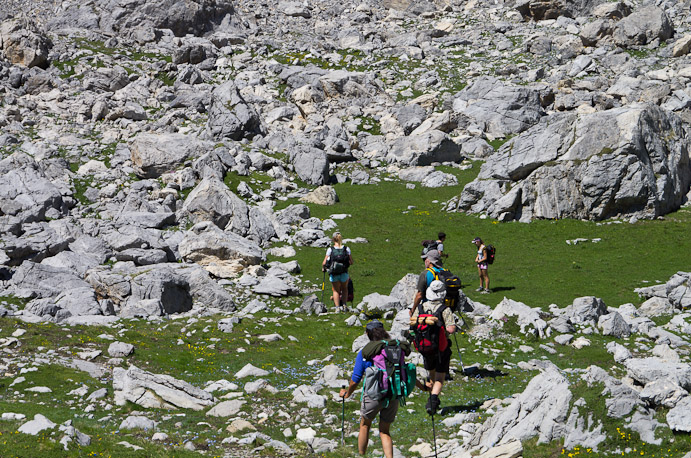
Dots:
{"x": 370, "y": 408}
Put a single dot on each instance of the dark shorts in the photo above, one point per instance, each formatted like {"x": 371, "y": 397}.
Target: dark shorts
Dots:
{"x": 369, "y": 410}
{"x": 438, "y": 362}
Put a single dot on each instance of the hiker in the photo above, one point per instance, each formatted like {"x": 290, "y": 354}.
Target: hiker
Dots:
{"x": 482, "y": 265}
{"x": 338, "y": 259}
{"x": 369, "y": 408}
{"x": 436, "y": 354}
{"x": 440, "y": 245}
{"x": 432, "y": 262}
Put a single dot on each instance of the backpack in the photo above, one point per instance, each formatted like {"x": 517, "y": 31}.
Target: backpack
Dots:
{"x": 339, "y": 260}
{"x": 389, "y": 377}
{"x": 491, "y": 250}
{"x": 453, "y": 286}
{"x": 429, "y": 336}
{"x": 428, "y": 245}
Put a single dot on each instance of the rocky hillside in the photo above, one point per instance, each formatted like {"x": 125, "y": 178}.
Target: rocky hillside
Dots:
{"x": 147, "y": 149}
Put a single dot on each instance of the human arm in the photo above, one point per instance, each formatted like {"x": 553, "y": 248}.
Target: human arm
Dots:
{"x": 346, "y": 392}
{"x": 326, "y": 259}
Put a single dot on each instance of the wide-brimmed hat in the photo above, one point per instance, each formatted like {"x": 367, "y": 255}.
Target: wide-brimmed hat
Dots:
{"x": 433, "y": 256}
{"x": 436, "y": 291}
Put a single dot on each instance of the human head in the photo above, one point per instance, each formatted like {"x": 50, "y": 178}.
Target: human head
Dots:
{"x": 436, "y": 291}
{"x": 375, "y": 331}
{"x": 477, "y": 241}
{"x": 337, "y": 238}
{"x": 441, "y": 236}
{"x": 433, "y": 257}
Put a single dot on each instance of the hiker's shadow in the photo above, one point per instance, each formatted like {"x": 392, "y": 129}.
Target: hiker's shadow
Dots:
{"x": 503, "y": 288}
{"x": 478, "y": 372}
{"x": 457, "y": 409}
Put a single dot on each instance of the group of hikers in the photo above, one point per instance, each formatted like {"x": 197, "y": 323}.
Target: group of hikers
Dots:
{"x": 380, "y": 365}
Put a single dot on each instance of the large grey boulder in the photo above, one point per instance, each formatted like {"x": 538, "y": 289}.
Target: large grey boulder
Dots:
{"x": 424, "y": 149}
{"x": 632, "y": 161}
{"x": 679, "y": 418}
{"x": 376, "y": 305}
{"x": 552, "y": 9}
{"x": 540, "y": 410}
{"x": 499, "y": 109}
{"x": 311, "y": 165}
{"x": 587, "y": 309}
{"x": 154, "y": 154}
{"x": 230, "y": 116}
{"x": 157, "y": 391}
{"x": 211, "y": 200}
{"x": 675, "y": 292}
{"x": 275, "y": 286}
{"x": 41, "y": 281}
{"x": 663, "y": 392}
{"x": 646, "y": 370}
{"x": 161, "y": 283}
{"x": 214, "y": 249}
{"x": 323, "y": 195}
{"x": 527, "y": 318}
{"x": 25, "y": 191}
{"x": 612, "y": 324}
{"x": 138, "y": 18}
{"x": 643, "y": 26}
{"x": 38, "y": 242}
{"x": 23, "y": 44}
{"x": 35, "y": 426}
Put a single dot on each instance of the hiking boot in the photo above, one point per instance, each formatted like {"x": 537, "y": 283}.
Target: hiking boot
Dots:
{"x": 480, "y": 289}
{"x": 448, "y": 377}
{"x": 485, "y": 291}
{"x": 432, "y": 404}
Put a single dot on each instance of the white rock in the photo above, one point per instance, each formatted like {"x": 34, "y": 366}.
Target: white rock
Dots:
{"x": 251, "y": 371}
{"x": 35, "y": 426}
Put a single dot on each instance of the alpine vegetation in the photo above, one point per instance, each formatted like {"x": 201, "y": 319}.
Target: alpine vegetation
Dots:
{"x": 208, "y": 206}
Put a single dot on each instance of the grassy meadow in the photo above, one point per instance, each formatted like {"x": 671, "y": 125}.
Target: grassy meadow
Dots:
{"x": 534, "y": 265}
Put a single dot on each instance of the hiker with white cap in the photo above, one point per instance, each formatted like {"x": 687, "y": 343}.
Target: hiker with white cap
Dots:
{"x": 430, "y": 324}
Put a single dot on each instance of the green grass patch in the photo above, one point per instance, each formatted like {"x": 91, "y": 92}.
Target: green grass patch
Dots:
{"x": 534, "y": 264}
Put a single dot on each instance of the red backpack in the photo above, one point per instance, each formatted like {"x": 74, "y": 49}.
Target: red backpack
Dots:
{"x": 428, "y": 331}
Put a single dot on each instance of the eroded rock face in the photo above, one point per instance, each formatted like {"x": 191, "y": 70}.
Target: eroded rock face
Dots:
{"x": 23, "y": 44}
{"x": 128, "y": 17}
{"x": 626, "y": 161}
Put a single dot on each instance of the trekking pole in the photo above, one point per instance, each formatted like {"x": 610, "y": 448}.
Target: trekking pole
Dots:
{"x": 459, "y": 352}
{"x": 323, "y": 285}
{"x": 434, "y": 433}
{"x": 343, "y": 418}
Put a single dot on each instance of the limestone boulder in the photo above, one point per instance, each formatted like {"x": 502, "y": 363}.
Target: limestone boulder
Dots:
{"x": 211, "y": 200}
{"x": 23, "y": 44}
{"x": 157, "y": 391}
{"x": 230, "y": 116}
{"x": 154, "y": 154}
{"x": 644, "y": 25}
{"x": 628, "y": 161}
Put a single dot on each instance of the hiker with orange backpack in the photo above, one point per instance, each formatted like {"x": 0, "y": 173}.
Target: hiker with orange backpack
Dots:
{"x": 430, "y": 324}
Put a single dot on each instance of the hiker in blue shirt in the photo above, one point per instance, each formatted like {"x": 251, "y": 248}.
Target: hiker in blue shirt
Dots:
{"x": 369, "y": 408}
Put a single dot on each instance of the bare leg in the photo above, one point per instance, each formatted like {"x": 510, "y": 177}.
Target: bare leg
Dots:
{"x": 363, "y": 436}
{"x": 386, "y": 441}
{"x": 336, "y": 287}
{"x": 485, "y": 278}
{"x": 438, "y": 378}
{"x": 344, "y": 292}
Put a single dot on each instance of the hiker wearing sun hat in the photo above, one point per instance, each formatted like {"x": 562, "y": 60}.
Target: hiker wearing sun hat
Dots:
{"x": 430, "y": 323}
